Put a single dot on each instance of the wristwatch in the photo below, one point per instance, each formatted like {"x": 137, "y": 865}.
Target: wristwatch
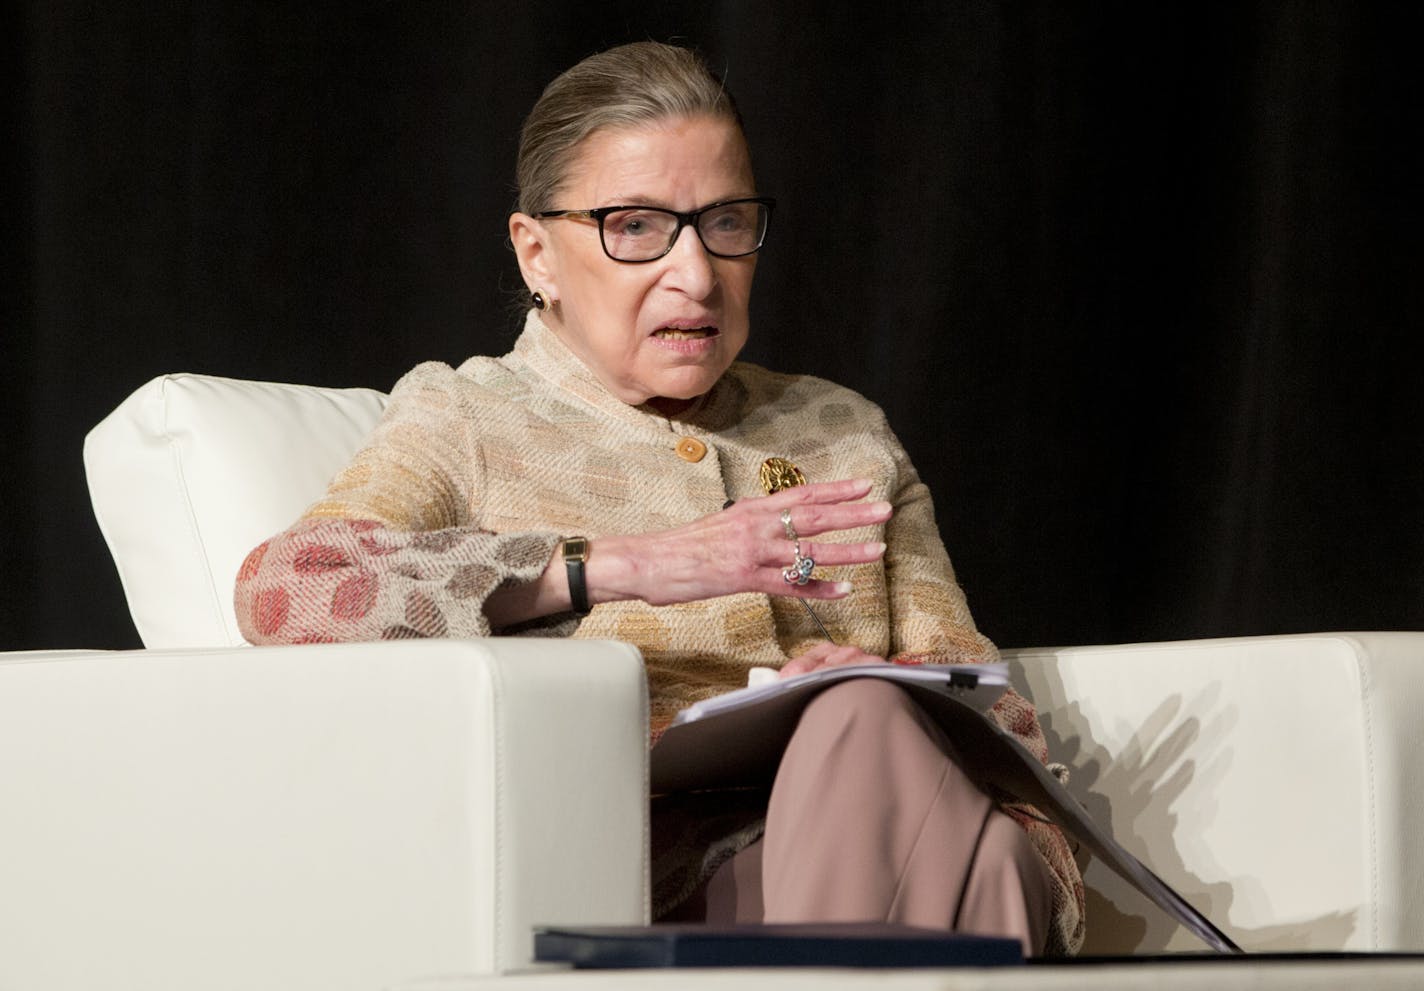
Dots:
{"x": 575, "y": 553}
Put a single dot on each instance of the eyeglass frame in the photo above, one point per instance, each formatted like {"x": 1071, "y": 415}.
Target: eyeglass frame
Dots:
{"x": 683, "y": 220}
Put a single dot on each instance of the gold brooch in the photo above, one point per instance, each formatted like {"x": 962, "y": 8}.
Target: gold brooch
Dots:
{"x": 778, "y": 473}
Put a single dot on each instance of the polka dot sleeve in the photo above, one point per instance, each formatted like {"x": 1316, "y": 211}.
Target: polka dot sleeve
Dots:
{"x": 394, "y": 548}
{"x": 332, "y": 580}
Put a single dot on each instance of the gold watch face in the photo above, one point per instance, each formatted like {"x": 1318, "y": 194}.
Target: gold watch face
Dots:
{"x": 575, "y": 549}
{"x": 778, "y": 473}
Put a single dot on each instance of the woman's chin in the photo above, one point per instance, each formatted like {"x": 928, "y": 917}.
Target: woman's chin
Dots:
{"x": 680, "y": 393}
{"x": 686, "y": 382}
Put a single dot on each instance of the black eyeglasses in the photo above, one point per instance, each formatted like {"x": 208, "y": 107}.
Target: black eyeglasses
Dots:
{"x": 645, "y": 233}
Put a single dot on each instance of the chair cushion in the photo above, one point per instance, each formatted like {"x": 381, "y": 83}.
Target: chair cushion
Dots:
{"x": 192, "y": 471}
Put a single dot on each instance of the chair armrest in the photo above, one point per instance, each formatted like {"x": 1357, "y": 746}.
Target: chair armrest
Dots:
{"x": 1274, "y": 781}
{"x": 328, "y": 816}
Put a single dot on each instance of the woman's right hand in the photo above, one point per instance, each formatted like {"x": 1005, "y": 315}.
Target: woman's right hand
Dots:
{"x": 743, "y": 548}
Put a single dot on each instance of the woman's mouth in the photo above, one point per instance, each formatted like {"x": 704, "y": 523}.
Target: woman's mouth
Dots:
{"x": 684, "y": 333}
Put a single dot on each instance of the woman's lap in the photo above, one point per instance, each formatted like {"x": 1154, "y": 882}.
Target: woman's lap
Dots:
{"x": 871, "y": 819}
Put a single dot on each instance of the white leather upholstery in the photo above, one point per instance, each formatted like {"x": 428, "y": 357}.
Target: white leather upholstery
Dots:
{"x": 321, "y": 817}
{"x": 191, "y": 472}
{"x": 1241, "y": 974}
{"x": 1273, "y": 781}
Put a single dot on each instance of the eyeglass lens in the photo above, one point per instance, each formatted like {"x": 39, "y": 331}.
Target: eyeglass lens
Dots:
{"x": 645, "y": 233}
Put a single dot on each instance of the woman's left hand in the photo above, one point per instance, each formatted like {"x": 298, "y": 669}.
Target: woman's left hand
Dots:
{"x": 827, "y": 655}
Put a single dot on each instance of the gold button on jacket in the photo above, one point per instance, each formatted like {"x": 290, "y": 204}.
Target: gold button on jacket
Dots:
{"x": 691, "y": 449}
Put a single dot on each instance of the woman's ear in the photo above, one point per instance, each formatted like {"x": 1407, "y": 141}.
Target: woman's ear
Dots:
{"x": 535, "y": 252}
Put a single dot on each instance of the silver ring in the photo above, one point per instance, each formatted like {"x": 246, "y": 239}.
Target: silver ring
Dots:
{"x": 799, "y": 572}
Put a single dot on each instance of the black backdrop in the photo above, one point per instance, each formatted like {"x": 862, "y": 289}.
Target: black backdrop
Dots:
{"x": 1137, "y": 284}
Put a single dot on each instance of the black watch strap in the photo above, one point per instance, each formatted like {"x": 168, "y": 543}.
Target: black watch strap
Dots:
{"x": 575, "y": 553}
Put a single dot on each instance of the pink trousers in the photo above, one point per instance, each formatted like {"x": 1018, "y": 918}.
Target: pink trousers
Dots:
{"x": 871, "y": 820}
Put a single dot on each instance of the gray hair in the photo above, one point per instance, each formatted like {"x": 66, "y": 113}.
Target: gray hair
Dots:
{"x": 625, "y": 86}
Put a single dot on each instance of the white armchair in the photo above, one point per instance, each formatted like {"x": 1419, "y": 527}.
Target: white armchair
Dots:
{"x": 204, "y": 814}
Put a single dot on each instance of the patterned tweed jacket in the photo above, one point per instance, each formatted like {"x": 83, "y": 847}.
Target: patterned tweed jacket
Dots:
{"x": 474, "y": 474}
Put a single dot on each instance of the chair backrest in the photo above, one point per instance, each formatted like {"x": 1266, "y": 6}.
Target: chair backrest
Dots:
{"x": 192, "y": 471}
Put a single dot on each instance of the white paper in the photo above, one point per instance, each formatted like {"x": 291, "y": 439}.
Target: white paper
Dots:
{"x": 988, "y": 683}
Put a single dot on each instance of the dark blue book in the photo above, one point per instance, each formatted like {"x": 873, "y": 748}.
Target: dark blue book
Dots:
{"x": 818, "y": 945}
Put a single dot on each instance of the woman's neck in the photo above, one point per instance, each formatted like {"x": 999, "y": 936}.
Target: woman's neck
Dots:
{"x": 670, "y": 408}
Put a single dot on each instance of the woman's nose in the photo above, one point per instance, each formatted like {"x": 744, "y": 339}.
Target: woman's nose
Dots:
{"x": 690, "y": 266}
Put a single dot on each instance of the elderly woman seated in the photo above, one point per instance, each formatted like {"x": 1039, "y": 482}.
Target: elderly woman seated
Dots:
{"x": 609, "y": 478}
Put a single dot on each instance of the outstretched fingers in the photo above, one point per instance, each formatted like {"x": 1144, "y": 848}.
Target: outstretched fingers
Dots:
{"x": 810, "y": 521}
{"x": 787, "y": 519}
{"x": 748, "y": 548}
{"x": 796, "y": 575}
{"x": 841, "y": 490}
{"x": 819, "y": 508}
{"x": 830, "y": 553}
